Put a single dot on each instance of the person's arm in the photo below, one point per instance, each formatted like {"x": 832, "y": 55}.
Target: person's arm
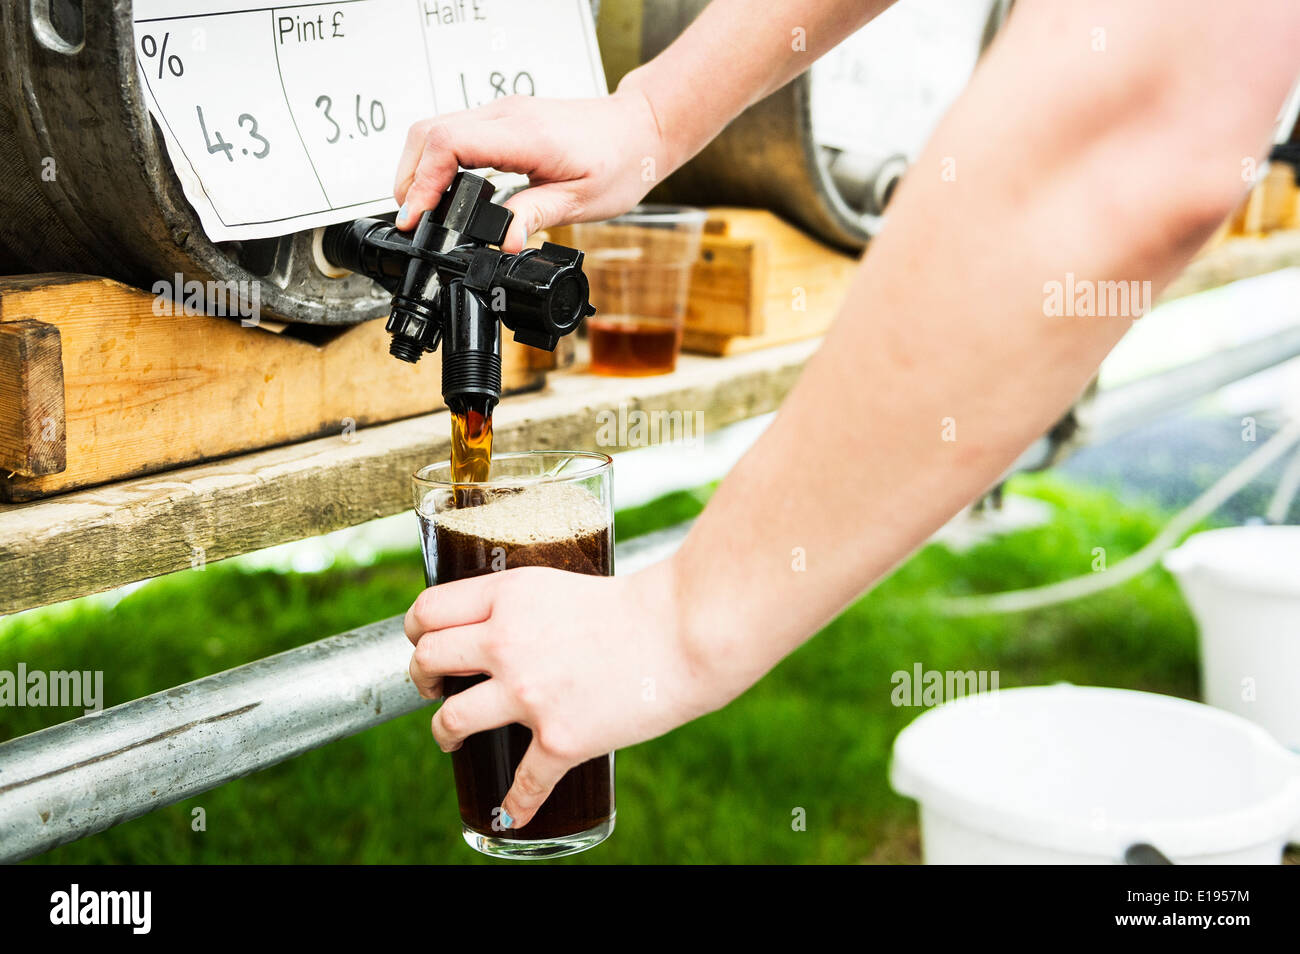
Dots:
{"x": 1113, "y": 165}
{"x": 590, "y": 159}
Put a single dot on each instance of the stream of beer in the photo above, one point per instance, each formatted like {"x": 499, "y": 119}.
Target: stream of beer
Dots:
{"x": 471, "y": 446}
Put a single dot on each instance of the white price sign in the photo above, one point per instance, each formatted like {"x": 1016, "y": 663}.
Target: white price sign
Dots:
{"x": 284, "y": 118}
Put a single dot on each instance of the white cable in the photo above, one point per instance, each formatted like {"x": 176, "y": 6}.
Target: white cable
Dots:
{"x": 1287, "y": 488}
{"x": 1015, "y": 601}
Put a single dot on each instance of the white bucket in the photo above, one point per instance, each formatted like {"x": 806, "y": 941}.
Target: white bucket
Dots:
{"x": 1243, "y": 585}
{"x": 1074, "y": 775}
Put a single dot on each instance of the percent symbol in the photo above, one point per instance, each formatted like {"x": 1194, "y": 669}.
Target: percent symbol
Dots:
{"x": 149, "y": 46}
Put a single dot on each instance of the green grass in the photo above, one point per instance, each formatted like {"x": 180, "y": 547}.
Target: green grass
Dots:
{"x": 814, "y": 735}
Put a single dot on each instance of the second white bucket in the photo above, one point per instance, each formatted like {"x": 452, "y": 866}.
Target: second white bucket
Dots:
{"x": 1073, "y": 775}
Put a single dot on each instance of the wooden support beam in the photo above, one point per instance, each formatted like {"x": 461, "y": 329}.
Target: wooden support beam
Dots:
{"x": 32, "y": 423}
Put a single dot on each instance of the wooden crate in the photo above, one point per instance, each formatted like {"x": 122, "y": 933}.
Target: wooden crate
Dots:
{"x": 95, "y": 387}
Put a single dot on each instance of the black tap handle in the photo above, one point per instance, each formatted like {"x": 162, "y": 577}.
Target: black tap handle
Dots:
{"x": 453, "y": 287}
{"x": 466, "y": 208}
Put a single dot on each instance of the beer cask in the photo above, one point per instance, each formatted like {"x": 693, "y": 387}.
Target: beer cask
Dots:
{"x": 768, "y": 157}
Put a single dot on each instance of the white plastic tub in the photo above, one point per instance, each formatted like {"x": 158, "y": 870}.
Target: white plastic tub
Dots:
{"x": 1243, "y": 585}
{"x": 1073, "y": 775}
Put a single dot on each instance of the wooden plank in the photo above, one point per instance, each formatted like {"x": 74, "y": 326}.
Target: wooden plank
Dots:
{"x": 93, "y": 540}
{"x": 32, "y": 427}
{"x": 146, "y": 392}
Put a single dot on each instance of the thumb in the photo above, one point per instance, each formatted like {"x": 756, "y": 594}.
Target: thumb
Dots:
{"x": 540, "y": 207}
{"x": 535, "y": 778}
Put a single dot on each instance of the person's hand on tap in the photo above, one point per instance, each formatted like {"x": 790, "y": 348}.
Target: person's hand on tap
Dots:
{"x": 586, "y": 159}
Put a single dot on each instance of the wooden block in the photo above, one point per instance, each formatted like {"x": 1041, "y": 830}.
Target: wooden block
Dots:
{"x": 32, "y": 426}
{"x": 796, "y": 289}
{"x": 1288, "y": 196}
{"x": 1271, "y": 204}
{"x": 728, "y": 285}
{"x": 146, "y": 392}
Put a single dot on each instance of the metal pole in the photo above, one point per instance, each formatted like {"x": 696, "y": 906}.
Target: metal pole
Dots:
{"x": 80, "y": 777}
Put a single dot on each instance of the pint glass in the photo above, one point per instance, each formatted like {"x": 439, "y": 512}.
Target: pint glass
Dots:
{"x": 541, "y": 508}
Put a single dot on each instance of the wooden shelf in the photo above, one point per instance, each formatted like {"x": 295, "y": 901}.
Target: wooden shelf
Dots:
{"x": 92, "y": 540}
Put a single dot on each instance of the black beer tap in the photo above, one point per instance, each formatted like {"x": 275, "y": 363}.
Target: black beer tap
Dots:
{"x": 450, "y": 285}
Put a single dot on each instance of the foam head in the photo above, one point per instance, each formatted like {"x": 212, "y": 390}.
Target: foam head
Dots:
{"x": 538, "y": 514}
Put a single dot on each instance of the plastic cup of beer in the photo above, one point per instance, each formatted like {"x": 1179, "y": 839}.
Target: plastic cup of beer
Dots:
{"x": 538, "y": 508}
{"x": 639, "y": 266}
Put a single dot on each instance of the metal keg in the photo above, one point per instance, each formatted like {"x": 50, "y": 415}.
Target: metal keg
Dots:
{"x": 86, "y": 184}
{"x": 771, "y": 156}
